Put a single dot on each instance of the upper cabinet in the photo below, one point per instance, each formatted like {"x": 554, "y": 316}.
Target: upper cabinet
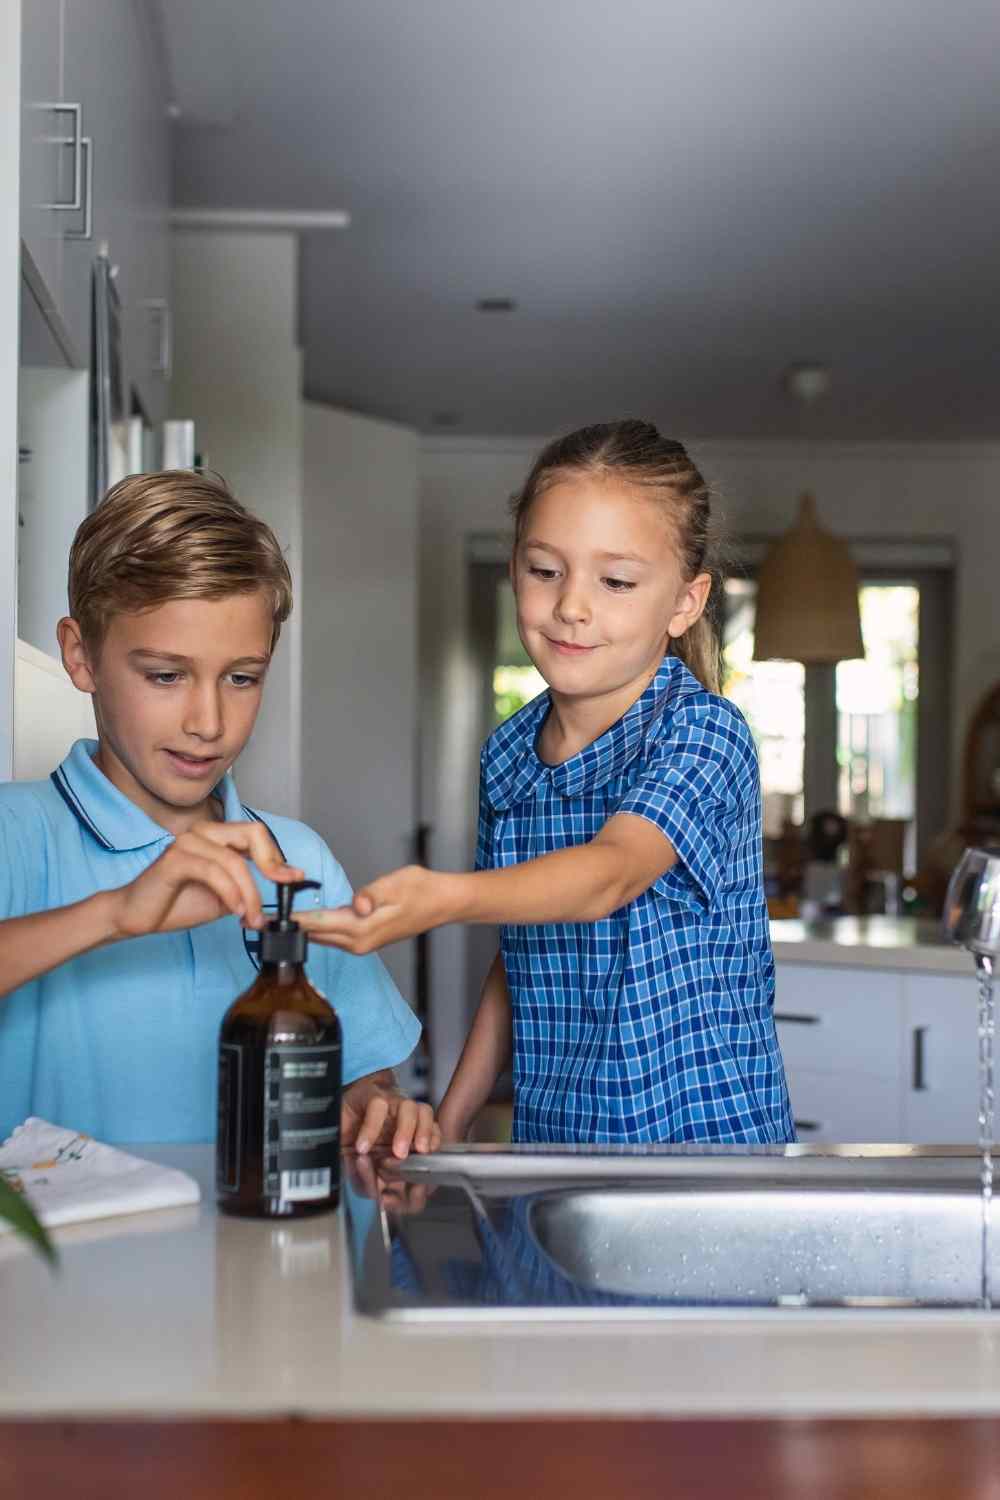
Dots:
{"x": 99, "y": 60}
{"x": 43, "y": 168}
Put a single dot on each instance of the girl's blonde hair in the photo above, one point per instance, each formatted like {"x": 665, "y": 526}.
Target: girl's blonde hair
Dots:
{"x": 179, "y": 534}
{"x": 636, "y": 453}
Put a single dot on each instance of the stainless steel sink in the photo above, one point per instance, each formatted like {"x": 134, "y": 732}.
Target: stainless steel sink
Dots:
{"x": 739, "y": 1246}
{"x": 667, "y": 1232}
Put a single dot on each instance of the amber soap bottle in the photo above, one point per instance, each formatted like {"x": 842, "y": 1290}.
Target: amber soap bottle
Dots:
{"x": 278, "y": 1142}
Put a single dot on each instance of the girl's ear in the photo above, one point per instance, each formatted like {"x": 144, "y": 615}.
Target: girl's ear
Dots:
{"x": 690, "y": 606}
{"x": 75, "y": 657}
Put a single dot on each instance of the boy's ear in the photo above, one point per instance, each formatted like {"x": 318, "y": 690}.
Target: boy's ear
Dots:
{"x": 75, "y": 657}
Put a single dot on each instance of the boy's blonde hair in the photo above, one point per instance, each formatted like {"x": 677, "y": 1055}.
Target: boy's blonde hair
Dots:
{"x": 179, "y": 534}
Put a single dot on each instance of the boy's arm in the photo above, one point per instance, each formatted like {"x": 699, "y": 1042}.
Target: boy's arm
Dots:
{"x": 202, "y": 875}
{"x": 579, "y": 884}
{"x": 487, "y": 1052}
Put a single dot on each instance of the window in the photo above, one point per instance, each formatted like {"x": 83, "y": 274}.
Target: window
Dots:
{"x": 515, "y": 679}
{"x": 879, "y": 706}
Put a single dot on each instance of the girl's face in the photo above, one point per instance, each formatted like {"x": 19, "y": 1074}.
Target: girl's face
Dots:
{"x": 599, "y": 586}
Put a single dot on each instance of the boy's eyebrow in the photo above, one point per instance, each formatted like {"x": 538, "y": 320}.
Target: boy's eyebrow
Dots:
{"x": 608, "y": 556}
{"x": 185, "y": 661}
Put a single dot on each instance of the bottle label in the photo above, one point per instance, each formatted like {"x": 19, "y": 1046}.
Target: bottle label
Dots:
{"x": 230, "y": 1121}
{"x": 301, "y": 1121}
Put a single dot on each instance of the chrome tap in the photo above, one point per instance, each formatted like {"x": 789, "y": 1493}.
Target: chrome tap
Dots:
{"x": 972, "y": 906}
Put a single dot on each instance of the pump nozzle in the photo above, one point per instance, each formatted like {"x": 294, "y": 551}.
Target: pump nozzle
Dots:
{"x": 283, "y": 941}
{"x": 286, "y": 898}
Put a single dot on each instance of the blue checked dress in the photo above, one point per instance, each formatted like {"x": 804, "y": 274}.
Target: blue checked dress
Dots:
{"x": 656, "y": 1022}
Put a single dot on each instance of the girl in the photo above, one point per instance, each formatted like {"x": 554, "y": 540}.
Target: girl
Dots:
{"x": 619, "y": 831}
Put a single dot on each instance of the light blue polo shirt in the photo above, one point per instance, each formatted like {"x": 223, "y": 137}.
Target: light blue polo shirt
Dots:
{"x": 121, "y": 1043}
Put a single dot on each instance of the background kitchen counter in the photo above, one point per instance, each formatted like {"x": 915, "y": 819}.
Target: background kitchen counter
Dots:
{"x": 869, "y": 943}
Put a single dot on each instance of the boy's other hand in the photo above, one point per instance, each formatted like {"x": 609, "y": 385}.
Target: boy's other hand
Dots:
{"x": 203, "y": 875}
{"x": 373, "y": 1112}
{"x": 387, "y": 910}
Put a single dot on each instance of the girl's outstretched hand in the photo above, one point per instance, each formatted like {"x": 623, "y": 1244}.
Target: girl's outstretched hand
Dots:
{"x": 387, "y": 910}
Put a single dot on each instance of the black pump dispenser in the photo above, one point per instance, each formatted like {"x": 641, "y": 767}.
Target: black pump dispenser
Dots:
{"x": 283, "y": 941}
{"x": 278, "y": 1144}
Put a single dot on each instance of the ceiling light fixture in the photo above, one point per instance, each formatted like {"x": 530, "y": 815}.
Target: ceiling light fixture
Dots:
{"x": 259, "y": 218}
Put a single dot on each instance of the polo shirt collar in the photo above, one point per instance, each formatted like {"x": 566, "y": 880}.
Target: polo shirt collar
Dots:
{"x": 108, "y": 815}
{"x": 512, "y": 778}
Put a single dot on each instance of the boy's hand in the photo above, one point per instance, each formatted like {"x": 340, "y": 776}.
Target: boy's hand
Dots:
{"x": 387, "y": 910}
{"x": 202, "y": 875}
{"x": 373, "y": 1112}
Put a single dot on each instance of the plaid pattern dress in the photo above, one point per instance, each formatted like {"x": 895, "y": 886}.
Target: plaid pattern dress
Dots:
{"x": 656, "y": 1022}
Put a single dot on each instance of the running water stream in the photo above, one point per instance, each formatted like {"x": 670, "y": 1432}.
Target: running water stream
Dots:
{"x": 984, "y": 968}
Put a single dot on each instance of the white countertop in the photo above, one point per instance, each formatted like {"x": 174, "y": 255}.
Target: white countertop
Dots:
{"x": 187, "y": 1312}
{"x": 869, "y": 943}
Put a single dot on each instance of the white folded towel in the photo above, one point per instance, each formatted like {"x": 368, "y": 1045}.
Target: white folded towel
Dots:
{"x": 67, "y": 1177}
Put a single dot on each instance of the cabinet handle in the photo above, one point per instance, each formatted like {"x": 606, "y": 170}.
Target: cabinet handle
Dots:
{"x": 87, "y": 231}
{"x": 797, "y": 1020}
{"x": 808, "y": 1124}
{"x": 76, "y": 141}
{"x": 919, "y": 1077}
{"x": 164, "y": 362}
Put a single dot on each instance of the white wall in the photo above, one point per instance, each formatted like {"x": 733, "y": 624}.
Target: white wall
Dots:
{"x": 359, "y": 645}
{"x": 238, "y": 372}
{"x": 54, "y": 423}
{"x": 50, "y": 714}
{"x": 863, "y": 490}
{"x": 10, "y": 147}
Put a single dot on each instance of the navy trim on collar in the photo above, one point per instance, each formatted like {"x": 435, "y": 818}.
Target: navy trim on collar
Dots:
{"x": 62, "y": 786}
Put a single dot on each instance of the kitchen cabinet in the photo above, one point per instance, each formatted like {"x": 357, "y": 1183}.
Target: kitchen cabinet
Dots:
{"x": 43, "y": 163}
{"x": 101, "y": 56}
{"x": 113, "y": 68}
{"x": 941, "y": 1059}
{"x": 879, "y": 1054}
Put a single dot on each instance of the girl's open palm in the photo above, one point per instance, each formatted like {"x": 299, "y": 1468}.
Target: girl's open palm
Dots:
{"x": 387, "y": 910}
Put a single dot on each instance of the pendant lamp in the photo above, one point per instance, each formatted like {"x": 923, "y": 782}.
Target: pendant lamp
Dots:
{"x": 807, "y": 596}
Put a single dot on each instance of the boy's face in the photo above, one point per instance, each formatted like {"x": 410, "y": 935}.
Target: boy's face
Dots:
{"x": 176, "y": 693}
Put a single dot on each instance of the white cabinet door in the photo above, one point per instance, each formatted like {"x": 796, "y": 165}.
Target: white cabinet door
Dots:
{"x": 833, "y": 1020}
{"x": 941, "y": 1058}
{"x": 834, "y": 1107}
{"x": 43, "y": 164}
{"x": 112, "y": 66}
{"x": 839, "y": 1031}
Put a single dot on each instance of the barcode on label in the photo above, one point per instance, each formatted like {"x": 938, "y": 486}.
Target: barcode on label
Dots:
{"x": 297, "y": 1186}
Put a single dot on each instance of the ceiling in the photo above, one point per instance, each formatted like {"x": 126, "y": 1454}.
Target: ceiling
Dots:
{"x": 682, "y": 199}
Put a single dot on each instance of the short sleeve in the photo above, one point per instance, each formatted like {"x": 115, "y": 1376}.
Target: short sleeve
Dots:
{"x": 698, "y": 782}
{"x": 485, "y": 829}
{"x": 380, "y": 1030}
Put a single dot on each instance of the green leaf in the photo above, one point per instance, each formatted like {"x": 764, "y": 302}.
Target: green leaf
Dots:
{"x": 17, "y": 1210}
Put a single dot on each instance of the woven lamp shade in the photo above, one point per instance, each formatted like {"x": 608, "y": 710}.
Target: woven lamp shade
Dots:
{"x": 807, "y": 596}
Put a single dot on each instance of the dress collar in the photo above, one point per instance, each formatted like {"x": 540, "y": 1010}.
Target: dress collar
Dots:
{"x": 108, "y": 815}
{"x": 513, "y": 776}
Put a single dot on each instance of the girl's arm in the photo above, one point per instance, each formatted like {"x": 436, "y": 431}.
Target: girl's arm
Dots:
{"x": 580, "y": 884}
{"x": 487, "y": 1052}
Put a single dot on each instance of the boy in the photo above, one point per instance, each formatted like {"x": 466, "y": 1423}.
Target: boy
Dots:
{"x": 125, "y": 880}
